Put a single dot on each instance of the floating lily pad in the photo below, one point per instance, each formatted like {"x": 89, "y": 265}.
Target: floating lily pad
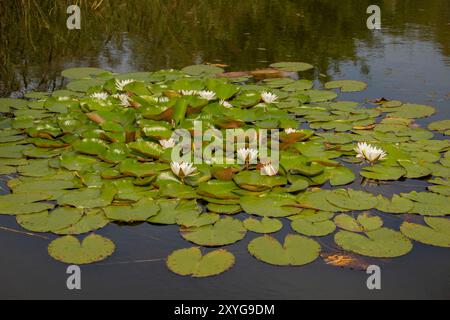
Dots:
{"x": 352, "y": 199}
{"x": 442, "y": 126}
{"x": 190, "y": 262}
{"x": 265, "y": 225}
{"x": 223, "y": 232}
{"x": 381, "y": 243}
{"x": 312, "y": 228}
{"x": 292, "y": 66}
{"x": 437, "y": 233}
{"x": 170, "y": 210}
{"x": 428, "y": 204}
{"x": 50, "y": 222}
{"x": 93, "y": 248}
{"x": 272, "y": 205}
{"x": 395, "y": 205}
{"x": 346, "y": 85}
{"x": 140, "y": 211}
{"x": 364, "y": 222}
{"x": 296, "y": 251}
{"x": 91, "y": 221}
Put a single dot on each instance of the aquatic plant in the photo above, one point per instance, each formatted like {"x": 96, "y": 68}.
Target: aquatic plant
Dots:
{"x": 100, "y": 152}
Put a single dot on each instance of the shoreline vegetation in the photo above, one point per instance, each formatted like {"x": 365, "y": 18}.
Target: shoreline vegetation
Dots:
{"x": 154, "y": 34}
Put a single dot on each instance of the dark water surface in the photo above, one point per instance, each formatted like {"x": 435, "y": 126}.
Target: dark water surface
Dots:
{"x": 409, "y": 60}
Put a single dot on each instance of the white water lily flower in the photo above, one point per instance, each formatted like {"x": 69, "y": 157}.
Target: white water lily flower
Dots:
{"x": 63, "y": 98}
{"x": 99, "y": 95}
{"x": 167, "y": 144}
{"x": 225, "y": 104}
{"x": 290, "y": 131}
{"x": 269, "y": 170}
{"x": 207, "y": 95}
{"x": 369, "y": 152}
{"x": 269, "y": 97}
{"x": 189, "y": 92}
{"x": 163, "y": 99}
{"x": 183, "y": 169}
{"x": 121, "y": 84}
{"x": 124, "y": 99}
{"x": 247, "y": 155}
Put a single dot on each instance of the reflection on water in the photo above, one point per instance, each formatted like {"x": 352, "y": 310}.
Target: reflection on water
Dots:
{"x": 409, "y": 59}
{"x": 155, "y": 34}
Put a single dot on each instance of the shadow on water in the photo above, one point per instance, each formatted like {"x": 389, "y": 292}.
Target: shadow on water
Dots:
{"x": 409, "y": 59}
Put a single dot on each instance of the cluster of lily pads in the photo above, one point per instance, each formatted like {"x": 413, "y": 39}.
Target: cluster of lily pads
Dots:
{"x": 100, "y": 152}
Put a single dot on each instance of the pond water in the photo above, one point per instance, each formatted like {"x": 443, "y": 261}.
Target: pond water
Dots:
{"x": 408, "y": 60}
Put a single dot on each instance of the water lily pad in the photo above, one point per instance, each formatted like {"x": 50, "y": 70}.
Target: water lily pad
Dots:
{"x": 140, "y": 211}
{"x": 292, "y": 66}
{"x": 254, "y": 181}
{"x": 412, "y": 111}
{"x": 395, "y": 205}
{"x": 200, "y": 69}
{"x": 364, "y": 222}
{"x": 296, "y": 251}
{"x": 56, "y": 220}
{"x": 312, "y": 228}
{"x": 223, "y": 232}
{"x": 190, "y": 262}
{"x": 228, "y": 209}
{"x": 26, "y": 203}
{"x": 93, "y": 248}
{"x": 383, "y": 172}
{"x": 437, "y": 233}
{"x": 265, "y": 225}
{"x": 91, "y": 221}
{"x": 317, "y": 199}
{"x": 428, "y": 203}
{"x": 88, "y": 198}
{"x": 272, "y": 205}
{"x": 442, "y": 126}
{"x": 346, "y": 85}
{"x": 170, "y": 210}
{"x": 381, "y": 243}
{"x": 352, "y": 200}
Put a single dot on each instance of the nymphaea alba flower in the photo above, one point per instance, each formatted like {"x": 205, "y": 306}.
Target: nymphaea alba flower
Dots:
{"x": 189, "y": 92}
{"x": 247, "y": 155}
{"x": 163, "y": 99}
{"x": 207, "y": 95}
{"x": 121, "y": 84}
{"x": 369, "y": 152}
{"x": 183, "y": 169}
{"x": 167, "y": 144}
{"x": 124, "y": 100}
{"x": 225, "y": 104}
{"x": 269, "y": 97}
{"x": 269, "y": 170}
{"x": 99, "y": 96}
{"x": 290, "y": 131}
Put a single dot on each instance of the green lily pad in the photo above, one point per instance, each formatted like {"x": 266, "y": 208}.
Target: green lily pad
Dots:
{"x": 381, "y": 243}
{"x": 200, "y": 69}
{"x": 272, "y": 206}
{"x": 312, "y": 228}
{"x": 26, "y": 203}
{"x": 442, "y": 126}
{"x": 317, "y": 199}
{"x": 140, "y": 211}
{"x": 190, "y": 262}
{"x": 383, "y": 172}
{"x": 170, "y": 210}
{"x": 93, "y": 248}
{"x": 428, "y": 203}
{"x": 296, "y": 251}
{"x": 352, "y": 200}
{"x": 363, "y": 223}
{"x": 437, "y": 233}
{"x": 265, "y": 225}
{"x": 412, "y": 111}
{"x": 223, "y": 232}
{"x": 346, "y": 85}
{"x": 395, "y": 205}
{"x": 44, "y": 221}
{"x": 254, "y": 181}
{"x": 228, "y": 209}
{"x": 292, "y": 66}
{"x": 91, "y": 221}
